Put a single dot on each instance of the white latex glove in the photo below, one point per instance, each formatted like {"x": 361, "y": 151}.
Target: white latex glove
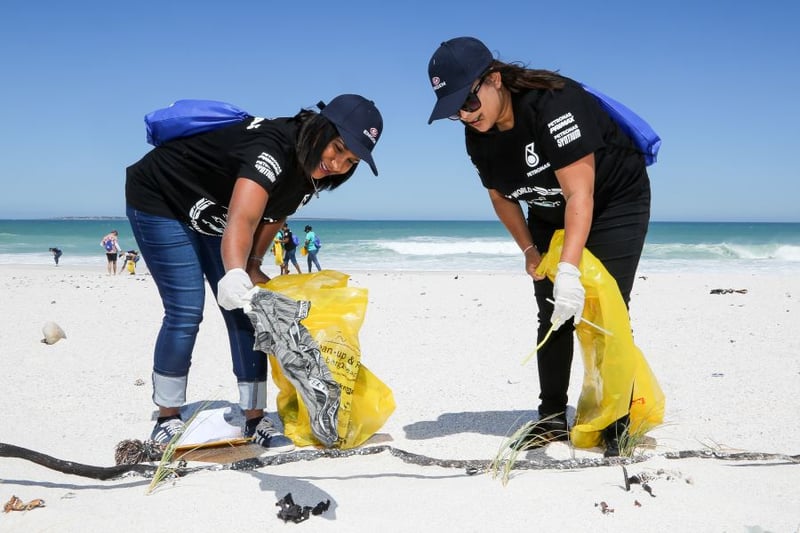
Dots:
{"x": 569, "y": 295}
{"x": 232, "y": 289}
{"x": 248, "y": 298}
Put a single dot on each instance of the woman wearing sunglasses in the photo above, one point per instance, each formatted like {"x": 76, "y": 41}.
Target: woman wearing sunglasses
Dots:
{"x": 206, "y": 207}
{"x": 537, "y": 137}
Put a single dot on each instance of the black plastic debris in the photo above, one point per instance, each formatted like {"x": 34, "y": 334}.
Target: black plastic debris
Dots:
{"x": 728, "y": 291}
{"x": 291, "y": 512}
{"x": 638, "y": 480}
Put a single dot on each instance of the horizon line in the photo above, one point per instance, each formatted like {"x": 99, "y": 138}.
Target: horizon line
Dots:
{"x": 348, "y": 219}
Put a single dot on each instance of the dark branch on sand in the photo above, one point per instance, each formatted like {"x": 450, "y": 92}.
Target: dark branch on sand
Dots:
{"x": 469, "y": 466}
{"x": 70, "y": 467}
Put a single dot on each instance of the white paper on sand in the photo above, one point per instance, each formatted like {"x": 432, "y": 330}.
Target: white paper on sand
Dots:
{"x": 209, "y": 426}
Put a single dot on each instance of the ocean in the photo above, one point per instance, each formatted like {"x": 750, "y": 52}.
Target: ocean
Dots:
{"x": 450, "y": 246}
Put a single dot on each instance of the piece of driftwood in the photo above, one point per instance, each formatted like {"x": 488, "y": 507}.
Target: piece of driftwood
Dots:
{"x": 470, "y": 466}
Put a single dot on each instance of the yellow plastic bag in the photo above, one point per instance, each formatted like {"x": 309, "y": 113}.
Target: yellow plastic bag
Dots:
{"x": 336, "y": 314}
{"x": 303, "y": 251}
{"x": 616, "y": 376}
{"x": 277, "y": 249}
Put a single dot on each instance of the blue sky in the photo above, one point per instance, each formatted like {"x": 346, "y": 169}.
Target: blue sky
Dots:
{"x": 719, "y": 84}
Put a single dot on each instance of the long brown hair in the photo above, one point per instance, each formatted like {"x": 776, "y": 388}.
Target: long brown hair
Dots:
{"x": 518, "y": 78}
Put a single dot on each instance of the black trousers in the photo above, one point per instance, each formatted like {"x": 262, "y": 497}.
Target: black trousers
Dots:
{"x": 616, "y": 238}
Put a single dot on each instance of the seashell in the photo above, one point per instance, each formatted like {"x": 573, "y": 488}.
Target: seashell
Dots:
{"x": 52, "y": 333}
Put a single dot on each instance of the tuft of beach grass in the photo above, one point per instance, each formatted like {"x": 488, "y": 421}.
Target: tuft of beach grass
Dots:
{"x": 167, "y": 467}
{"x": 507, "y": 455}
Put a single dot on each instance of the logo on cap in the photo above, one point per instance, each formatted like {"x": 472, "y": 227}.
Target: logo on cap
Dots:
{"x": 372, "y": 134}
{"x": 437, "y": 83}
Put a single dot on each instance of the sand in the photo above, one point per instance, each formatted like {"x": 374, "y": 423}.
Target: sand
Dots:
{"x": 450, "y": 346}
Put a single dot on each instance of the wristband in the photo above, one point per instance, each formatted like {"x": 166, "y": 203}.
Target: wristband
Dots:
{"x": 255, "y": 259}
{"x": 528, "y": 248}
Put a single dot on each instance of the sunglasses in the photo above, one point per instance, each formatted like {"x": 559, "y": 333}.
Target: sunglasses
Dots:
{"x": 472, "y": 102}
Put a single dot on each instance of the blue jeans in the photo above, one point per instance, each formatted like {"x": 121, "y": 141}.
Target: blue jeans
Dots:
{"x": 180, "y": 260}
{"x": 290, "y": 256}
{"x": 312, "y": 257}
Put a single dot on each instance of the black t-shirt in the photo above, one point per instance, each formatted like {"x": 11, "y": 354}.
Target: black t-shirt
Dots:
{"x": 552, "y": 129}
{"x": 191, "y": 179}
{"x": 289, "y": 236}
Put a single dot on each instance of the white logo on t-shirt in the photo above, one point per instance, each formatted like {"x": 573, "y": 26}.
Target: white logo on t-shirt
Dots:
{"x": 531, "y": 157}
{"x": 268, "y": 165}
{"x": 255, "y": 123}
{"x": 208, "y": 218}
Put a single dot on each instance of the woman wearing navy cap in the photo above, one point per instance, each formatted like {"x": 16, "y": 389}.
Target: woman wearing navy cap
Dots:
{"x": 537, "y": 137}
{"x": 206, "y": 207}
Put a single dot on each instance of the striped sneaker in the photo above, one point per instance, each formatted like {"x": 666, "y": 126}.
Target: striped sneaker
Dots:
{"x": 163, "y": 432}
{"x": 264, "y": 433}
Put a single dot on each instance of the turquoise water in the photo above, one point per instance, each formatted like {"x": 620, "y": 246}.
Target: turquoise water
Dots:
{"x": 436, "y": 245}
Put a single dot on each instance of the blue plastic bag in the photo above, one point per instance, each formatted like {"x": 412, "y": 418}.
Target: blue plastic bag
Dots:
{"x": 190, "y": 117}
{"x": 644, "y": 137}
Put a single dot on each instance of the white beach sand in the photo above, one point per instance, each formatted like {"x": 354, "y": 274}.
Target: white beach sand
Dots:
{"x": 450, "y": 346}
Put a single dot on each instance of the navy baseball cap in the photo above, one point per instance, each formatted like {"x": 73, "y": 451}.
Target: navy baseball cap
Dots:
{"x": 359, "y": 123}
{"x": 455, "y": 65}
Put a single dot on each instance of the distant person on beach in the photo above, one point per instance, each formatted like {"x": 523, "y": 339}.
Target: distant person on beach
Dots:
{"x": 311, "y": 245}
{"x": 110, "y": 244}
{"x": 278, "y": 244}
{"x": 129, "y": 263}
{"x": 289, "y": 250}
{"x": 207, "y": 207}
{"x": 537, "y": 137}
{"x": 57, "y": 253}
